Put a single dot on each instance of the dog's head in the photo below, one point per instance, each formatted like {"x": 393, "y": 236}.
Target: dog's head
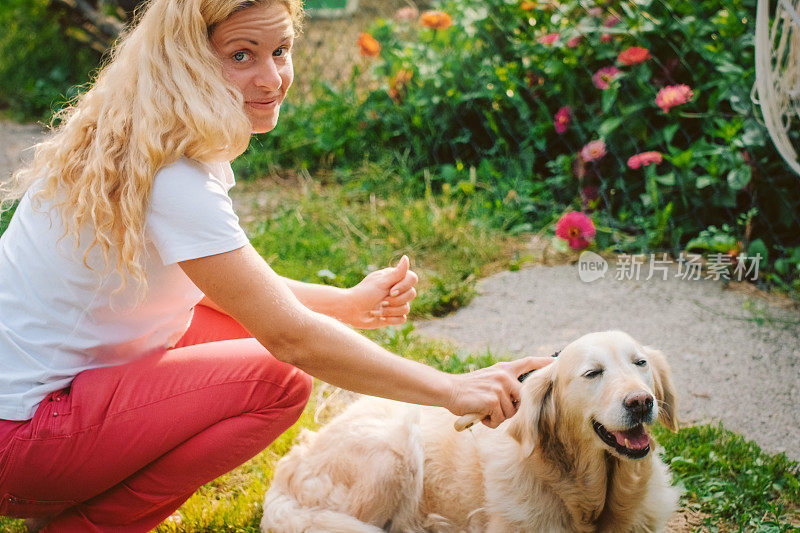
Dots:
{"x": 604, "y": 390}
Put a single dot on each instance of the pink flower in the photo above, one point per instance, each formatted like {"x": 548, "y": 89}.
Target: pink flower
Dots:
{"x": 602, "y": 78}
{"x": 611, "y": 21}
{"x": 595, "y": 11}
{"x": 577, "y": 229}
{"x": 563, "y": 119}
{"x": 644, "y": 159}
{"x": 673, "y": 95}
{"x": 633, "y": 55}
{"x": 606, "y": 38}
{"x": 575, "y": 41}
{"x": 406, "y": 14}
{"x": 550, "y": 38}
{"x": 593, "y": 151}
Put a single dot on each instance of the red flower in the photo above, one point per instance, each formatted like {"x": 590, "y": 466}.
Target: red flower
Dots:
{"x": 673, "y": 95}
{"x": 634, "y": 55}
{"x": 602, "y": 78}
{"x": 550, "y": 38}
{"x": 575, "y": 41}
{"x": 563, "y": 119}
{"x": 644, "y": 159}
{"x": 369, "y": 46}
{"x": 606, "y": 38}
{"x": 577, "y": 229}
{"x": 438, "y": 20}
{"x": 593, "y": 151}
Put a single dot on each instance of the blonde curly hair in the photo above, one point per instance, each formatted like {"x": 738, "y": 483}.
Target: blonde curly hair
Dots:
{"x": 161, "y": 96}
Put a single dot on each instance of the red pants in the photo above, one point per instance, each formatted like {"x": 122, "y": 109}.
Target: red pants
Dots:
{"x": 123, "y": 447}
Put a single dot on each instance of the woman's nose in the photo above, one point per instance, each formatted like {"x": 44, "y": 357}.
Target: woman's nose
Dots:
{"x": 268, "y": 76}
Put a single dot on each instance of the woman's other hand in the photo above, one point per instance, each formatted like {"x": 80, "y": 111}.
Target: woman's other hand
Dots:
{"x": 382, "y": 298}
{"x": 492, "y": 391}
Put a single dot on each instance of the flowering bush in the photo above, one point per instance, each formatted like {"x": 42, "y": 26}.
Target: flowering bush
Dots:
{"x": 638, "y": 111}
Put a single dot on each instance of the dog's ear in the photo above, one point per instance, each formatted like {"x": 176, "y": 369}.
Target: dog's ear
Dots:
{"x": 536, "y": 411}
{"x": 664, "y": 389}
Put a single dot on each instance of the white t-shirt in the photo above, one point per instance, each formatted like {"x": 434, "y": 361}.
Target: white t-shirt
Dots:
{"x": 58, "y": 318}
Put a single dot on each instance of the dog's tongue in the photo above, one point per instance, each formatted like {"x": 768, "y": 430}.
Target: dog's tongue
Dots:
{"x": 636, "y": 438}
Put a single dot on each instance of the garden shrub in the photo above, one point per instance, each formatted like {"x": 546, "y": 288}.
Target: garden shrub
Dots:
{"x": 544, "y": 107}
{"x": 40, "y": 65}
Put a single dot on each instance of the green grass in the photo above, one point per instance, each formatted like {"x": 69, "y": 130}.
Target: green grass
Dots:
{"x": 305, "y": 228}
{"x": 337, "y": 234}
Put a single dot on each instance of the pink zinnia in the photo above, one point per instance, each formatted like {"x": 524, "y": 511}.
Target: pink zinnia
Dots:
{"x": 611, "y": 21}
{"x": 575, "y": 41}
{"x": 406, "y": 14}
{"x": 550, "y": 38}
{"x": 634, "y": 55}
{"x": 563, "y": 119}
{"x": 577, "y": 229}
{"x": 673, "y": 95}
{"x": 602, "y": 78}
{"x": 644, "y": 159}
{"x": 593, "y": 151}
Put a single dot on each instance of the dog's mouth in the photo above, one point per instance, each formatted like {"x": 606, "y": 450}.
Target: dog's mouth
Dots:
{"x": 633, "y": 442}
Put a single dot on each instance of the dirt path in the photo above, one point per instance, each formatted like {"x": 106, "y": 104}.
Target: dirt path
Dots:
{"x": 735, "y": 357}
{"x": 738, "y": 366}
{"x": 15, "y": 143}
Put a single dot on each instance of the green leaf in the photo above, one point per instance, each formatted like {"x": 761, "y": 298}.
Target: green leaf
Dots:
{"x": 666, "y": 179}
{"x": 738, "y": 178}
{"x": 683, "y": 159}
{"x": 704, "y": 181}
{"x": 609, "y": 125}
{"x": 758, "y": 247}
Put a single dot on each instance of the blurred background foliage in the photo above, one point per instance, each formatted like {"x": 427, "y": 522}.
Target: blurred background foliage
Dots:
{"x": 469, "y": 110}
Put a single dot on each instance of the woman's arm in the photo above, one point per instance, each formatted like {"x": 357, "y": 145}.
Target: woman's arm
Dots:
{"x": 242, "y": 284}
{"x": 382, "y": 298}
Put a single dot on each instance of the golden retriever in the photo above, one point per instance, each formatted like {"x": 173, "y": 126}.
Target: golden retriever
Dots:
{"x": 575, "y": 457}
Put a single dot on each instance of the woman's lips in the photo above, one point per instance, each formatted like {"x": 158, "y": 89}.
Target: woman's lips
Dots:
{"x": 263, "y": 104}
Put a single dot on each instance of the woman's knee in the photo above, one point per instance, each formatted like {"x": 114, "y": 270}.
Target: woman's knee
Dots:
{"x": 298, "y": 390}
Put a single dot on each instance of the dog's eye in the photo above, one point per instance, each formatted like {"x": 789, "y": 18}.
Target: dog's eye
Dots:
{"x": 593, "y": 373}
{"x": 640, "y": 362}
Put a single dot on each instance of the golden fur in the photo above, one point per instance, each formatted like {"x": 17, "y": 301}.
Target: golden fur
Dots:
{"x": 388, "y": 466}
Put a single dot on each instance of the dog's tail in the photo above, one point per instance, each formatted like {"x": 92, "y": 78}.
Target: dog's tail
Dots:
{"x": 283, "y": 514}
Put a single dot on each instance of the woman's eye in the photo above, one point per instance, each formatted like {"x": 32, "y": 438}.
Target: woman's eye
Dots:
{"x": 593, "y": 373}
{"x": 240, "y": 56}
{"x": 282, "y": 51}
{"x": 640, "y": 362}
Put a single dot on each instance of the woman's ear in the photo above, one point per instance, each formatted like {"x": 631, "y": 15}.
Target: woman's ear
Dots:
{"x": 664, "y": 389}
{"x": 536, "y": 411}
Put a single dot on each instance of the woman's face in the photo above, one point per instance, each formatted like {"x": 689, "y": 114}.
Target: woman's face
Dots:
{"x": 255, "y": 46}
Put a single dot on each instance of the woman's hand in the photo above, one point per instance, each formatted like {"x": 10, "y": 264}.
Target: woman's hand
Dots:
{"x": 383, "y": 298}
{"x": 493, "y": 391}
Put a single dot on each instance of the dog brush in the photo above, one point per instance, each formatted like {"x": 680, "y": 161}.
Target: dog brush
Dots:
{"x": 470, "y": 419}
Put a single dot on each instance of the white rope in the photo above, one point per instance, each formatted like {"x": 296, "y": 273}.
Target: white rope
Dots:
{"x": 777, "y": 52}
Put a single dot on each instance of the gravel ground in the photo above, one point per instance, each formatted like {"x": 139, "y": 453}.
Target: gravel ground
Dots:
{"x": 735, "y": 356}
{"x": 15, "y": 141}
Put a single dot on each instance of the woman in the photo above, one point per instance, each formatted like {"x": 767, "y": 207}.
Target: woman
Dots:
{"x": 145, "y": 347}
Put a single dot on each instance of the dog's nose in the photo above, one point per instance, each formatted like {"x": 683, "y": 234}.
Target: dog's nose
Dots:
{"x": 640, "y": 404}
